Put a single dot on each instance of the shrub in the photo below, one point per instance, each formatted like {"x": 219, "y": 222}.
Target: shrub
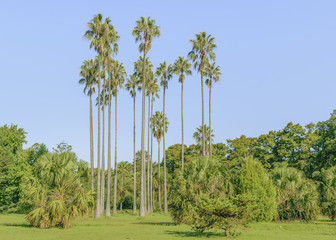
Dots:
{"x": 297, "y": 197}
{"x": 328, "y": 192}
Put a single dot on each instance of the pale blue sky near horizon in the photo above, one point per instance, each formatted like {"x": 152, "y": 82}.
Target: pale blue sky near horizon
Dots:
{"x": 278, "y": 62}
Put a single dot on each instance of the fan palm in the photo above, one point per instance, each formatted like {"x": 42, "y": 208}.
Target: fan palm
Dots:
{"x": 158, "y": 121}
{"x": 165, "y": 72}
{"x": 131, "y": 86}
{"x": 88, "y": 74}
{"x": 201, "y": 53}
{"x": 199, "y": 137}
{"x": 181, "y": 68}
{"x": 103, "y": 39}
{"x": 144, "y": 31}
{"x": 213, "y": 73}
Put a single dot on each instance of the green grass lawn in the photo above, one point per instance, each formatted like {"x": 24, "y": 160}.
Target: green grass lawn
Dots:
{"x": 157, "y": 226}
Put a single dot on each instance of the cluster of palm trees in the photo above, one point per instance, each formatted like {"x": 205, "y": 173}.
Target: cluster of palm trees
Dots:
{"x": 110, "y": 76}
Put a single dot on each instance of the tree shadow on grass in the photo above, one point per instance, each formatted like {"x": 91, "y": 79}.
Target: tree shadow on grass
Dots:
{"x": 24, "y": 225}
{"x": 195, "y": 234}
{"x": 157, "y": 223}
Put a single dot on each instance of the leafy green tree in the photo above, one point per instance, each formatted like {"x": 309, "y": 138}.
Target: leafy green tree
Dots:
{"x": 258, "y": 187}
{"x": 144, "y": 31}
{"x": 201, "y": 54}
{"x": 181, "y": 68}
{"x": 213, "y": 73}
{"x": 132, "y": 85}
{"x": 13, "y": 164}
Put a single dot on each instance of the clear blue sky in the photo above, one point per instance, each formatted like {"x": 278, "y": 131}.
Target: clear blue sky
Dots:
{"x": 278, "y": 60}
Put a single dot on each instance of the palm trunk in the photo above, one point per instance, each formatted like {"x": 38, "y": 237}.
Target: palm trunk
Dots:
{"x": 97, "y": 215}
{"x": 165, "y": 208}
{"x": 151, "y": 162}
{"x": 115, "y": 162}
{"x": 148, "y": 160}
{"x": 91, "y": 146}
{"x": 210, "y": 143}
{"x": 102, "y": 179}
{"x": 134, "y": 161}
{"x": 203, "y": 137}
{"x": 182, "y": 124}
{"x": 159, "y": 182}
{"x": 142, "y": 212}
{"x": 108, "y": 197}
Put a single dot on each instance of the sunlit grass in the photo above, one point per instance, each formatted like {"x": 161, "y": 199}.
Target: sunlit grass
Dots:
{"x": 158, "y": 226}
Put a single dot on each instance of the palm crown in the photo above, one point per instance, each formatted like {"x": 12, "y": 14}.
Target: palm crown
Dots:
{"x": 88, "y": 72}
{"x": 157, "y": 125}
{"x": 144, "y": 31}
{"x": 182, "y": 67}
{"x": 165, "y": 72}
{"x": 202, "y": 50}
{"x": 213, "y": 73}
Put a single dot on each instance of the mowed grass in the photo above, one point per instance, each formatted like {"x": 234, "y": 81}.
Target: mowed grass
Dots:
{"x": 158, "y": 226}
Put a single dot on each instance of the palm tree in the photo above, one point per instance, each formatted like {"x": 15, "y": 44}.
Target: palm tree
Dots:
{"x": 144, "y": 31}
{"x": 152, "y": 92}
{"x": 165, "y": 72}
{"x": 103, "y": 39}
{"x": 158, "y": 121}
{"x": 182, "y": 67}
{"x": 209, "y": 136}
{"x": 119, "y": 76}
{"x": 213, "y": 73}
{"x": 88, "y": 74}
{"x": 202, "y": 51}
{"x": 131, "y": 86}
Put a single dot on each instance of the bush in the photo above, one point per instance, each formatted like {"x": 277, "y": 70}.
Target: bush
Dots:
{"x": 328, "y": 192}
{"x": 297, "y": 197}
{"x": 55, "y": 191}
{"x": 255, "y": 185}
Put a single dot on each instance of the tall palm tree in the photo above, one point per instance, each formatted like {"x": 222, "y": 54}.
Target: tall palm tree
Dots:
{"x": 132, "y": 85}
{"x": 103, "y": 39}
{"x": 88, "y": 73}
{"x": 158, "y": 121}
{"x": 201, "y": 53}
{"x": 144, "y": 31}
{"x": 213, "y": 73}
{"x": 181, "y": 68}
{"x": 198, "y": 136}
{"x": 165, "y": 72}
{"x": 119, "y": 76}
{"x": 152, "y": 91}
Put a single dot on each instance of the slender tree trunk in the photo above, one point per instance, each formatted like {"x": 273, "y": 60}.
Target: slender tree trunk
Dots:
{"x": 91, "y": 146}
{"x": 210, "y": 143}
{"x": 165, "y": 207}
{"x": 108, "y": 197}
{"x": 159, "y": 182}
{"x": 182, "y": 124}
{"x": 148, "y": 160}
{"x": 97, "y": 215}
{"x": 115, "y": 161}
{"x": 151, "y": 161}
{"x": 203, "y": 137}
{"x": 102, "y": 179}
{"x": 142, "y": 212}
{"x": 134, "y": 161}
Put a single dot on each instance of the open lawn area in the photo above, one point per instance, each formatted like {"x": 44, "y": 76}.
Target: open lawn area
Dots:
{"x": 157, "y": 226}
